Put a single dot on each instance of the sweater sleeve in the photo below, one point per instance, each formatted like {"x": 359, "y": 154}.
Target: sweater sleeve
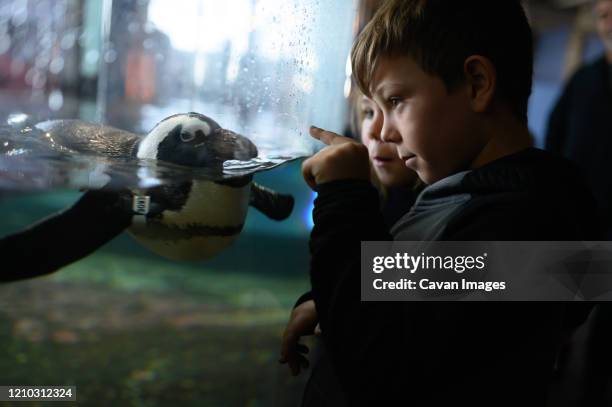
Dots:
{"x": 63, "y": 238}
{"x": 345, "y": 214}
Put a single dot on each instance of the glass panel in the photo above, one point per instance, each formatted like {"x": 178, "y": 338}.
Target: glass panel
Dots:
{"x": 124, "y": 325}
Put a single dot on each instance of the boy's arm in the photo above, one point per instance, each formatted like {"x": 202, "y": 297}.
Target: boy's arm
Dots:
{"x": 362, "y": 338}
{"x": 345, "y": 214}
{"x": 96, "y": 218}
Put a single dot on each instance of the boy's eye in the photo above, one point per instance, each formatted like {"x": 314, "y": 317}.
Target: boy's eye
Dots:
{"x": 368, "y": 113}
{"x": 394, "y": 101}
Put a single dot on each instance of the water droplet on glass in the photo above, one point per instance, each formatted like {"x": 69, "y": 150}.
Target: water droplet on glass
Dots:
{"x": 110, "y": 56}
{"x": 38, "y": 80}
{"x": 149, "y": 27}
{"x": 92, "y": 57}
{"x": 5, "y": 43}
{"x": 133, "y": 27}
{"x": 20, "y": 15}
{"x": 56, "y": 100}
{"x": 68, "y": 40}
{"x": 42, "y": 61}
{"x": 56, "y": 65}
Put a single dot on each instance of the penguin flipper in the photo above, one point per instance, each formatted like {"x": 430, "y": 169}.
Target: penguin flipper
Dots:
{"x": 274, "y": 205}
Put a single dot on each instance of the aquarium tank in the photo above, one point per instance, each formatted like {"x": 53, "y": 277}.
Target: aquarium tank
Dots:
{"x": 126, "y": 326}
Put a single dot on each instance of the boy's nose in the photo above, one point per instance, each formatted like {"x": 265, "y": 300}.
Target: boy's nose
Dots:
{"x": 388, "y": 134}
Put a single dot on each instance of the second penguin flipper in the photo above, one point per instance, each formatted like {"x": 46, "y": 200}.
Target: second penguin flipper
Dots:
{"x": 274, "y": 205}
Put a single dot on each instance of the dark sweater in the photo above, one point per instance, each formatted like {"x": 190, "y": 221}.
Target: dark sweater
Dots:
{"x": 435, "y": 354}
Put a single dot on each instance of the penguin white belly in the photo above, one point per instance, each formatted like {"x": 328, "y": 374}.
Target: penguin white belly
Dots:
{"x": 209, "y": 221}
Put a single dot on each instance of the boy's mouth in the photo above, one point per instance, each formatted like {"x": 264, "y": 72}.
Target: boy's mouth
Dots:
{"x": 379, "y": 160}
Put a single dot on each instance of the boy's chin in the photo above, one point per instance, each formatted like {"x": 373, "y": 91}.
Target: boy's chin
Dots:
{"x": 429, "y": 178}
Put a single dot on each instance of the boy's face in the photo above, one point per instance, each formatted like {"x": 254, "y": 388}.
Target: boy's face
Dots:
{"x": 388, "y": 166}
{"x": 431, "y": 128}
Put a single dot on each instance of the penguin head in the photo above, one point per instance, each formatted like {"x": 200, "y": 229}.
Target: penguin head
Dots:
{"x": 194, "y": 140}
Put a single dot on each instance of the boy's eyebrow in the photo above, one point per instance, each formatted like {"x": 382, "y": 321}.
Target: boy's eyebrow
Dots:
{"x": 383, "y": 85}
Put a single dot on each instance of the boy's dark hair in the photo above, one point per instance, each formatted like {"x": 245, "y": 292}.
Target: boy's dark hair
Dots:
{"x": 440, "y": 34}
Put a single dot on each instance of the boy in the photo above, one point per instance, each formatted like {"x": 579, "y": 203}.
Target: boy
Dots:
{"x": 398, "y": 188}
{"x": 452, "y": 80}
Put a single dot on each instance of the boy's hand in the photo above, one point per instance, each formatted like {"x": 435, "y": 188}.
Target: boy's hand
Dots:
{"x": 302, "y": 322}
{"x": 343, "y": 158}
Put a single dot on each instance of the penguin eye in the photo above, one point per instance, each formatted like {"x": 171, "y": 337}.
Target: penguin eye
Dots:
{"x": 186, "y": 137}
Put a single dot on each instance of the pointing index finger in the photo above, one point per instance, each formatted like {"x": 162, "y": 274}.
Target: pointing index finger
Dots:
{"x": 326, "y": 137}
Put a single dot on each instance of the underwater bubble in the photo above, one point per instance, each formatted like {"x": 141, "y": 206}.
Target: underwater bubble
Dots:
{"x": 148, "y": 43}
{"x": 56, "y": 100}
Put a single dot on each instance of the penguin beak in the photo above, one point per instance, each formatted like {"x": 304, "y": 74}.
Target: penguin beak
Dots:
{"x": 233, "y": 146}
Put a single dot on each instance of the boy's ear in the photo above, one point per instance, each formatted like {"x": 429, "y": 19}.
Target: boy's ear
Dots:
{"x": 481, "y": 79}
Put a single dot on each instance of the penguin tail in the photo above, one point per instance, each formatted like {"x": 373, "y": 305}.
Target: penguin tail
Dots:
{"x": 274, "y": 205}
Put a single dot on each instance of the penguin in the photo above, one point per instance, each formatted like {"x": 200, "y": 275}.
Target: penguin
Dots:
{"x": 192, "y": 219}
